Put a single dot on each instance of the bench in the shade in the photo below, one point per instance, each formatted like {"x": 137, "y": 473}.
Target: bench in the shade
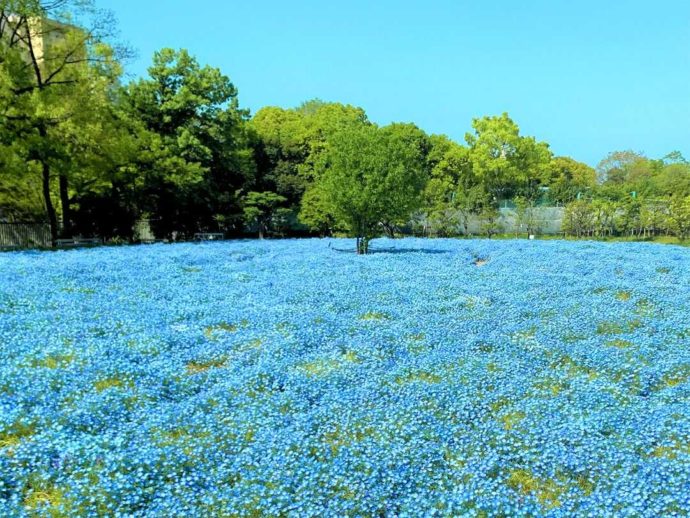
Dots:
{"x": 209, "y": 236}
{"x": 78, "y": 241}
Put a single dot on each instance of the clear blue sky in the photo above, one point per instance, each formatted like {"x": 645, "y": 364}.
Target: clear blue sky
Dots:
{"x": 586, "y": 76}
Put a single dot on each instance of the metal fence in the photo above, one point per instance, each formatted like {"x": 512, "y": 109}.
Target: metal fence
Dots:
{"x": 541, "y": 220}
{"x": 547, "y": 220}
{"x": 24, "y": 235}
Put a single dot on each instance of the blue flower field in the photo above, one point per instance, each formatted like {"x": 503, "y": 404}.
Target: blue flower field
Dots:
{"x": 289, "y": 378}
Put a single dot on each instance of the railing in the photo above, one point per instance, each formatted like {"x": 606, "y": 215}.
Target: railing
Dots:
{"x": 24, "y": 235}
{"x": 78, "y": 241}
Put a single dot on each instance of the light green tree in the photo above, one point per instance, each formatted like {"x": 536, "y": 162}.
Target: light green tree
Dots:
{"x": 567, "y": 178}
{"x": 55, "y": 79}
{"x": 374, "y": 175}
{"x": 504, "y": 162}
{"x": 679, "y": 217}
{"x": 291, "y": 149}
{"x": 450, "y": 186}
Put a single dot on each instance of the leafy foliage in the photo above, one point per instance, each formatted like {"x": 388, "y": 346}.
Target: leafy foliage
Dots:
{"x": 374, "y": 176}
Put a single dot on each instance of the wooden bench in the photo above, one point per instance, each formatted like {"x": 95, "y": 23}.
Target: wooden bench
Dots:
{"x": 78, "y": 241}
{"x": 152, "y": 241}
{"x": 209, "y": 236}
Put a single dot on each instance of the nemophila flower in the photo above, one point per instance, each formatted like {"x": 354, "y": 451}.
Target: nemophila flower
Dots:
{"x": 284, "y": 378}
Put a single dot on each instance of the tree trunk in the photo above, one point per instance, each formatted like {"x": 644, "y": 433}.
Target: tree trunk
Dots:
{"x": 362, "y": 245}
{"x": 50, "y": 209}
{"x": 45, "y": 184}
{"x": 65, "y": 203}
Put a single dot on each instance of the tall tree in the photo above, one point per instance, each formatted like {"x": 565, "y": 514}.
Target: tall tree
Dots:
{"x": 195, "y": 157}
{"x": 568, "y": 177}
{"x": 619, "y": 167}
{"x": 448, "y": 196}
{"x": 56, "y": 69}
{"x": 504, "y": 162}
{"x": 292, "y": 147}
{"x": 259, "y": 208}
{"x": 374, "y": 175}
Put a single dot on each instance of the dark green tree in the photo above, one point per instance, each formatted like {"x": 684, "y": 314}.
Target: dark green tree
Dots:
{"x": 195, "y": 154}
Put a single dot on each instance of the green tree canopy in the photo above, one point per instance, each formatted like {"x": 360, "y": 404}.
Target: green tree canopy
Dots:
{"x": 505, "y": 162}
{"x": 56, "y": 75}
{"x": 374, "y": 175}
{"x": 568, "y": 177}
{"x": 195, "y": 154}
{"x": 259, "y": 208}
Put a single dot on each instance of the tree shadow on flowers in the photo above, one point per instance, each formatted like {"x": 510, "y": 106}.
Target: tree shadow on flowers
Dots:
{"x": 392, "y": 250}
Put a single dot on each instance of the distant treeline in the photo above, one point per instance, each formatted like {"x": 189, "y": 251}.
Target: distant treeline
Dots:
{"x": 90, "y": 155}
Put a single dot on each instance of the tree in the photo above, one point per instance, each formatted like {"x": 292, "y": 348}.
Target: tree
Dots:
{"x": 445, "y": 195}
{"x": 567, "y": 178}
{"x": 653, "y": 216}
{"x": 374, "y": 175}
{"x": 489, "y": 219}
{"x": 316, "y": 212}
{"x": 603, "y": 217}
{"x": 526, "y": 216}
{"x": 291, "y": 149}
{"x": 679, "y": 217}
{"x": 259, "y": 208}
{"x": 55, "y": 67}
{"x": 674, "y": 176}
{"x": 195, "y": 155}
{"x": 620, "y": 167}
{"x": 505, "y": 162}
{"x": 578, "y": 218}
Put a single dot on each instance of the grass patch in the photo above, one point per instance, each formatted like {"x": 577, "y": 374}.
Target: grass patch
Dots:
{"x": 547, "y": 492}
{"x": 197, "y": 367}
{"x": 526, "y": 335}
{"x": 46, "y": 500}
{"x": 417, "y": 344}
{"x": 646, "y": 308}
{"x": 211, "y": 331}
{"x": 113, "y": 382}
{"x": 675, "y": 377}
{"x": 552, "y": 386}
{"x": 177, "y": 435}
{"x": 335, "y": 437}
{"x": 374, "y": 315}
{"x": 571, "y": 337}
{"x": 671, "y": 451}
{"x": 85, "y": 291}
{"x": 619, "y": 344}
{"x": 512, "y": 419}
{"x": 623, "y": 296}
{"x": 618, "y": 328}
{"x": 17, "y": 432}
{"x": 421, "y": 376}
{"x": 323, "y": 367}
{"x": 53, "y": 361}
{"x": 573, "y": 369}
